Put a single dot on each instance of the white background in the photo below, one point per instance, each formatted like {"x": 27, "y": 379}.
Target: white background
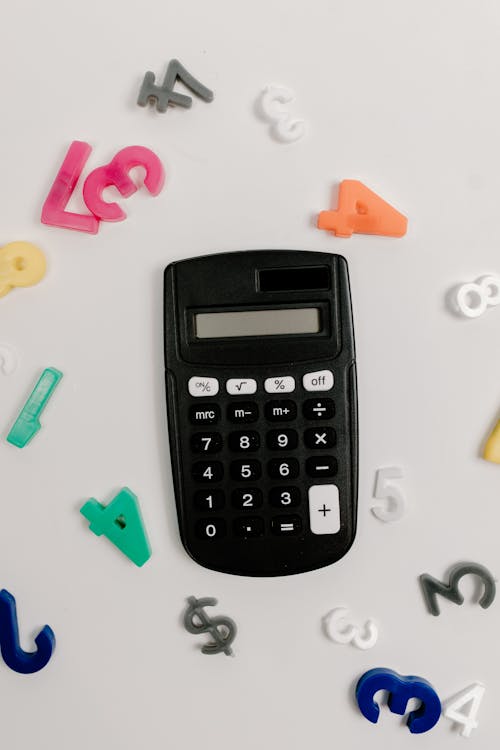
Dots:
{"x": 401, "y": 95}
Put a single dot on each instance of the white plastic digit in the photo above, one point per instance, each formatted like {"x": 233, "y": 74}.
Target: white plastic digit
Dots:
{"x": 472, "y": 298}
{"x": 284, "y": 127}
{"x": 244, "y": 442}
{"x": 208, "y": 472}
{"x": 210, "y": 530}
{"x": 284, "y": 470}
{"x": 282, "y": 441}
{"x": 453, "y": 707}
{"x": 246, "y": 471}
{"x": 340, "y": 630}
{"x": 394, "y": 509}
{"x": 248, "y": 500}
{"x": 207, "y": 442}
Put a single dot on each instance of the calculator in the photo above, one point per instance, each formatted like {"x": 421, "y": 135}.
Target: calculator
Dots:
{"x": 262, "y": 409}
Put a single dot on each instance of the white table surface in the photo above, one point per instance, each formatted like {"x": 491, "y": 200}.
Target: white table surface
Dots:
{"x": 401, "y": 95}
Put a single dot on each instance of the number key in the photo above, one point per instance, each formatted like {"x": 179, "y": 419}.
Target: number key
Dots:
{"x": 282, "y": 468}
{"x": 209, "y": 528}
{"x": 244, "y": 441}
{"x": 281, "y": 440}
{"x": 209, "y": 499}
{"x": 208, "y": 471}
{"x": 245, "y": 469}
{"x": 246, "y": 498}
{"x": 206, "y": 442}
{"x": 283, "y": 497}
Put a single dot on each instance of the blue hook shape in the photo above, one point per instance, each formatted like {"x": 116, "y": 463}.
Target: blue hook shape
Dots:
{"x": 25, "y": 662}
{"x": 401, "y": 689}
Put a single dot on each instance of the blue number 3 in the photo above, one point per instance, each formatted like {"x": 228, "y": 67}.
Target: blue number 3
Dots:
{"x": 401, "y": 689}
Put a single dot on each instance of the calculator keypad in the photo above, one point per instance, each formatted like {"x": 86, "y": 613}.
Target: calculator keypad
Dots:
{"x": 267, "y": 490}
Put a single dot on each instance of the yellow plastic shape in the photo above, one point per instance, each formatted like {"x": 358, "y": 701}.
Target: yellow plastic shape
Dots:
{"x": 492, "y": 448}
{"x": 21, "y": 264}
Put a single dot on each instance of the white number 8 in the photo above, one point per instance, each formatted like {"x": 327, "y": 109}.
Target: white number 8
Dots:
{"x": 473, "y": 298}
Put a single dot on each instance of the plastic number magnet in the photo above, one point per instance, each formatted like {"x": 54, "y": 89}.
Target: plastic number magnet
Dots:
{"x": 491, "y": 450}
{"x": 283, "y": 127}
{"x": 472, "y": 299}
{"x": 53, "y": 211}
{"x": 453, "y": 708}
{"x": 431, "y": 587}
{"x": 25, "y": 662}
{"x": 121, "y": 522}
{"x": 165, "y": 94}
{"x": 21, "y": 264}
{"x": 400, "y": 689}
{"x": 116, "y": 173}
{"x": 362, "y": 211}
{"x": 339, "y": 628}
{"x": 28, "y": 423}
{"x": 395, "y": 508}
{"x": 8, "y": 359}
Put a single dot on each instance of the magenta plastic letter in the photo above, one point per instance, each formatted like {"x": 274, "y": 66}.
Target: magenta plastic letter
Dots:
{"x": 116, "y": 173}
{"x": 53, "y": 212}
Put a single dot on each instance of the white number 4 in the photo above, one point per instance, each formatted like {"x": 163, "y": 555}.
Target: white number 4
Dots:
{"x": 394, "y": 509}
{"x": 452, "y": 707}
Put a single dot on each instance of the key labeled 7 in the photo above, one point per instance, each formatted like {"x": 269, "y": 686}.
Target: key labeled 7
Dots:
{"x": 115, "y": 173}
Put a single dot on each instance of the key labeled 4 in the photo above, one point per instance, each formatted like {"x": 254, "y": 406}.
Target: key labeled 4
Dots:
{"x": 362, "y": 211}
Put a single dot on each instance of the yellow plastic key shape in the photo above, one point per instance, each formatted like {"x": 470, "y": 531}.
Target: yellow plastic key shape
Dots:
{"x": 492, "y": 448}
{"x": 21, "y": 264}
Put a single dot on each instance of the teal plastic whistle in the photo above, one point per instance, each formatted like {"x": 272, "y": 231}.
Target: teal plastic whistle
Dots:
{"x": 28, "y": 423}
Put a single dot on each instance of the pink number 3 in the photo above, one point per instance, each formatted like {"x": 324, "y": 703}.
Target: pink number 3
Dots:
{"x": 115, "y": 173}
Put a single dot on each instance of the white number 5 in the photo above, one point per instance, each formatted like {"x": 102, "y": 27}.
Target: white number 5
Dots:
{"x": 394, "y": 509}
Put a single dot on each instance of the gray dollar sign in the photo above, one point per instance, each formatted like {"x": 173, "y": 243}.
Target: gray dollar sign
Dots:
{"x": 222, "y": 629}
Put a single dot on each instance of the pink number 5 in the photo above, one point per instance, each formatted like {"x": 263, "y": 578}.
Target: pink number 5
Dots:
{"x": 53, "y": 212}
{"x": 116, "y": 173}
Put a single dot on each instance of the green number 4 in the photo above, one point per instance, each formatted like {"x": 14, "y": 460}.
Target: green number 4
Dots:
{"x": 121, "y": 522}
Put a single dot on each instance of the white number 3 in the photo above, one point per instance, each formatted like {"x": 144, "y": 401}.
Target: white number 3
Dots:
{"x": 385, "y": 490}
{"x": 338, "y": 632}
{"x": 451, "y": 708}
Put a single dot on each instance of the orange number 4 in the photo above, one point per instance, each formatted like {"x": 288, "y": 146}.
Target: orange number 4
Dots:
{"x": 362, "y": 211}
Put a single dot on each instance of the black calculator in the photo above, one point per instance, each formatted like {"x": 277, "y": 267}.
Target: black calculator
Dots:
{"x": 262, "y": 409}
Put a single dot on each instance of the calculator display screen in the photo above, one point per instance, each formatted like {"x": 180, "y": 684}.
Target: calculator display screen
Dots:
{"x": 257, "y": 323}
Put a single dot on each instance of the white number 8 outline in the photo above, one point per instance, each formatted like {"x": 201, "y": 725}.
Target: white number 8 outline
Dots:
{"x": 486, "y": 290}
